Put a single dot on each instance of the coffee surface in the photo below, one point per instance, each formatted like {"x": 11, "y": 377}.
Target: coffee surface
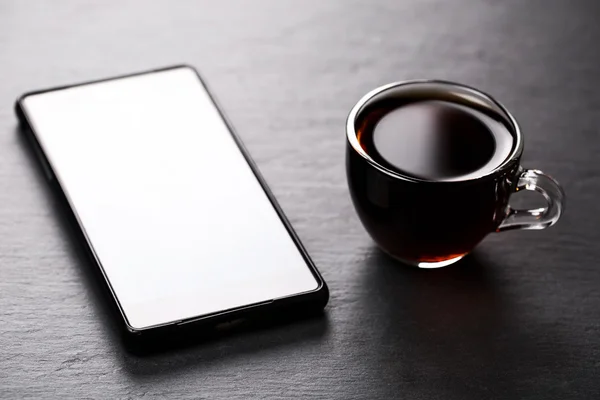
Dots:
{"x": 435, "y": 140}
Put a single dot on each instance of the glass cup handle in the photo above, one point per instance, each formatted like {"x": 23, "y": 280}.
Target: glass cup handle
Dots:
{"x": 539, "y": 218}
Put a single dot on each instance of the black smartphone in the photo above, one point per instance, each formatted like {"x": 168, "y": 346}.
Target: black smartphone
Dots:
{"x": 176, "y": 215}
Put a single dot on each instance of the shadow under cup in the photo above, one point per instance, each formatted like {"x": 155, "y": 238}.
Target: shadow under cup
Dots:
{"x": 431, "y": 223}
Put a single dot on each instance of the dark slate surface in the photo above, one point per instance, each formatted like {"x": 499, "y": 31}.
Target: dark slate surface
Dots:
{"x": 519, "y": 319}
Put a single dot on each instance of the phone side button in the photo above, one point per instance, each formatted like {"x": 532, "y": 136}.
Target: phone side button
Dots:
{"x": 47, "y": 171}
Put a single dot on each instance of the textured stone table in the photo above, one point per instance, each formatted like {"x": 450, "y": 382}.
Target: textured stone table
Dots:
{"x": 518, "y": 319}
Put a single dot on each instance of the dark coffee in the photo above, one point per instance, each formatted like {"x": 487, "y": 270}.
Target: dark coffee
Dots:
{"x": 450, "y": 147}
{"x": 433, "y": 139}
{"x": 431, "y": 166}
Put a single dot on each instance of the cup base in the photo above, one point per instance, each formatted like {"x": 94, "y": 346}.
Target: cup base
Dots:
{"x": 438, "y": 264}
{"x": 428, "y": 265}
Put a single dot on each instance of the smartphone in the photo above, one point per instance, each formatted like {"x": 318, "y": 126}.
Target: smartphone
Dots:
{"x": 175, "y": 214}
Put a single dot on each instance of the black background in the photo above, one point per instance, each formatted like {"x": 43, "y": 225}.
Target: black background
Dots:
{"x": 518, "y": 319}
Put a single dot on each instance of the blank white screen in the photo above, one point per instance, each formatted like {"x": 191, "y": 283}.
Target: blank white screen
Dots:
{"x": 175, "y": 216}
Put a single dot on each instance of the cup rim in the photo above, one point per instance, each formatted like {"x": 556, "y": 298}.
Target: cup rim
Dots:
{"x": 352, "y": 139}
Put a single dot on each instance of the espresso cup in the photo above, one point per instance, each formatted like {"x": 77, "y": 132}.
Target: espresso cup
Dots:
{"x": 433, "y": 219}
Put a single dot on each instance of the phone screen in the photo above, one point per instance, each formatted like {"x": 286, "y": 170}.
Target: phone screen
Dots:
{"x": 175, "y": 216}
